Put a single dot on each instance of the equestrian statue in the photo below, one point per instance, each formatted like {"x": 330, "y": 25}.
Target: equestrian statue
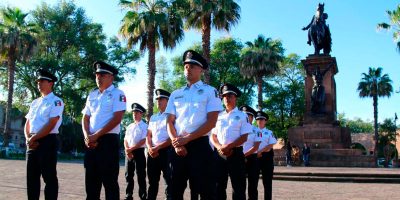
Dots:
{"x": 318, "y": 32}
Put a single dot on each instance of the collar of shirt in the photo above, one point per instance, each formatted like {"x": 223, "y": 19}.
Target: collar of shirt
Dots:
{"x": 198, "y": 84}
{"x": 232, "y": 111}
{"x": 48, "y": 96}
{"x": 109, "y": 89}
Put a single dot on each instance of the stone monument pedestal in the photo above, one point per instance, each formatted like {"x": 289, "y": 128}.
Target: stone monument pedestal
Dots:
{"x": 330, "y": 143}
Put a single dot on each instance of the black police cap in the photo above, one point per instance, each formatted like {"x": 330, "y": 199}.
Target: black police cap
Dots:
{"x": 229, "y": 88}
{"x": 104, "y": 68}
{"x": 160, "y": 93}
{"x": 138, "y": 107}
{"x": 261, "y": 115}
{"x": 43, "y": 74}
{"x": 248, "y": 110}
{"x": 193, "y": 57}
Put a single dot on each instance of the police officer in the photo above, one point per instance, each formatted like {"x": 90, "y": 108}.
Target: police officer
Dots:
{"x": 192, "y": 113}
{"x": 158, "y": 145}
{"x": 41, "y": 128}
{"x": 228, "y": 137}
{"x": 134, "y": 143}
{"x": 101, "y": 120}
{"x": 266, "y": 153}
{"x": 250, "y": 148}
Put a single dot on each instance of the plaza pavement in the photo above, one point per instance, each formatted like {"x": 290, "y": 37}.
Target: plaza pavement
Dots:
{"x": 71, "y": 182}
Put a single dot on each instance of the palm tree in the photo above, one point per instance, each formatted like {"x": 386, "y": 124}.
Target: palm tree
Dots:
{"x": 149, "y": 23}
{"x": 394, "y": 18}
{"x": 17, "y": 43}
{"x": 260, "y": 59}
{"x": 205, "y": 14}
{"x": 375, "y": 85}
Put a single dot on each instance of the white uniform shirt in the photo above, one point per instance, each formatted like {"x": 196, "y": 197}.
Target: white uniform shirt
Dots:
{"x": 158, "y": 128}
{"x": 42, "y": 109}
{"x": 190, "y": 105}
{"x": 267, "y": 138}
{"x": 136, "y": 132}
{"x": 100, "y": 107}
{"x": 230, "y": 126}
{"x": 253, "y": 137}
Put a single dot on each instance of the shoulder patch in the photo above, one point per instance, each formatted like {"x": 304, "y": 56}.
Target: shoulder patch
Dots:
{"x": 122, "y": 98}
{"x": 259, "y": 134}
{"x": 57, "y": 103}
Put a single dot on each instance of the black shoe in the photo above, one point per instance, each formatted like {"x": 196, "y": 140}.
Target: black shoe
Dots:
{"x": 128, "y": 198}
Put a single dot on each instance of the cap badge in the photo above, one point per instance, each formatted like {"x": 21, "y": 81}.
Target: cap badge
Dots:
{"x": 189, "y": 55}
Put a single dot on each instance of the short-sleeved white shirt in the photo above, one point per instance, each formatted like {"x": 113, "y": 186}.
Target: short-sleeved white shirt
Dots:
{"x": 42, "y": 109}
{"x": 135, "y": 132}
{"x": 252, "y": 138}
{"x": 267, "y": 138}
{"x": 191, "y": 104}
{"x": 158, "y": 128}
{"x": 230, "y": 126}
{"x": 100, "y": 107}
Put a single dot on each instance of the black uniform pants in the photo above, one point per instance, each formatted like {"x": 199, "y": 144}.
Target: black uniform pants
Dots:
{"x": 42, "y": 162}
{"x": 267, "y": 171}
{"x": 234, "y": 167}
{"x": 197, "y": 167}
{"x": 102, "y": 168}
{"x": 253, "y": 174}
{"x": 138, "y": 162}
{"x": 154, "y": 168}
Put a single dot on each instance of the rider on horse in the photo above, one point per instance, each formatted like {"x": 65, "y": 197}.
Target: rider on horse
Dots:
{"x": 319, "y": 32}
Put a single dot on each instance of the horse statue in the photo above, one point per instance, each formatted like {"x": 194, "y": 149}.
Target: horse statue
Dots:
{"x": 318, "y": 32}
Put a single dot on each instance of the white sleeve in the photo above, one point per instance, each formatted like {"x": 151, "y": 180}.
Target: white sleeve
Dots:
{"x": 119, "y": 101}
{"x": 171, "y": 109}
{"x": 214, "y": 102}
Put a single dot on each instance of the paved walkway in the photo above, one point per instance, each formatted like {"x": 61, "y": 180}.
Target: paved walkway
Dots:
{"x": 71, "y": 181}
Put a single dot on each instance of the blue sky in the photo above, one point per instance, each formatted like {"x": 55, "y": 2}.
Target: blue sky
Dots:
{"x": 357, "y": 44}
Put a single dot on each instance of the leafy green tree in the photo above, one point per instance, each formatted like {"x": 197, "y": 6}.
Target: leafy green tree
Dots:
{"x": 164, "y": 74}
{"x": 68, "y": 44}
{"x": 17, "y": 42}
{"x": 356, "y": 125}
{"x": 394, "y": 24}
{"x": 374, "y": 84}
{"x": 206, "y": 14}
{"x": 225, "y": 59}
{"x": 120, "y": 56}
{"x": 149, "y": 23}
{"x": 261, "y": 59}
{"x": 387, "y": 130}
{"x": 285, "y": 92}
{"x": 387, "y": 133}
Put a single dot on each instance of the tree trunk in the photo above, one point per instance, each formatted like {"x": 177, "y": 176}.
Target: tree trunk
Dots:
{"x": 151, "y": 70}
{"x": 11, "y": 73}
{"x": 205, "y": 38}
{"x": 375, "y": 102}
{"x": 259, "y": 89}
